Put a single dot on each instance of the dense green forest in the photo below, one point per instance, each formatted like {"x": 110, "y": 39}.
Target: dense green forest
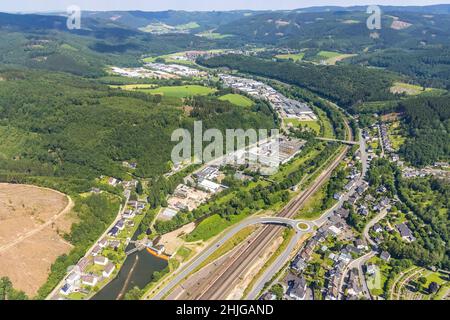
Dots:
{"x": 346, "y": 85}
{"x": 429, "y": 222}
{"x": 428, "y": 66}
{"x": 340, "y": 29}
{"x": 427, "y": 126}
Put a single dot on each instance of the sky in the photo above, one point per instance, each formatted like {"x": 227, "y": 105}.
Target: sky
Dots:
{"x": 190, "y": 5}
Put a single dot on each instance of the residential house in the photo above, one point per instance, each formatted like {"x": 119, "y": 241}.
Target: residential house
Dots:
{"x": 73, "y": 278}
{"x": 114, "y": 232}
{"x": 129, "y": 214}
{"x": 89, "y": 280}
{"x": 377, "y": 228}
{"x": 66, "y": 289}
{"x": 343, "y": 213}
{"x": 371, "y": 269}
{"x": 120, "y": 224}
{"x": 298, "y": 264}
{"x": 101, "y": 261}
{"x": 337, "y": 196}
{"x": 297, "y": 290}
{"x": 96, "y": 250}
{"x": 114, "y": 244}
{"x": 359, "y": 243}
{"x": 83, "y": 264}
{"x": 109, "y": 269}
{"x": 103, "y": 243}
{"x": 385, "y": 256}
{"x": 405, "y": 232}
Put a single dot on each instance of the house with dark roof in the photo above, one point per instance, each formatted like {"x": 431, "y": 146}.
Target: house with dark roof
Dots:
{"x": 405, "y": 232}
{"x": 114, "y": 232}
{"x": 297, "y": 289}
{"x": 377, "y": 228}
{"x": 343, "y": 213}
{"x": 298, "y": 264}
{"x": 385, "y": 256}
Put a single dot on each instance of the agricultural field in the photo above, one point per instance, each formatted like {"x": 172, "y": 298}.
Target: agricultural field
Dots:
{"x": 33, "y": 221}
{"x": 237, "y": 99}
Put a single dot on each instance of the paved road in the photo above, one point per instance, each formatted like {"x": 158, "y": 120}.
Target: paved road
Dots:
{"x": 88, "y": 253}
{"x": 373, "y": 222}
{"x": 337, "y": 140}
{"x": 242, "y": 259}
{"x": 281, "y": 261}
{"x": 275, "y": 267}
{"x": 358, "y": 263}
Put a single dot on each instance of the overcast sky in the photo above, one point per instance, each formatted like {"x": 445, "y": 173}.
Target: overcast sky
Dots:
{"x": 191, "y": 5}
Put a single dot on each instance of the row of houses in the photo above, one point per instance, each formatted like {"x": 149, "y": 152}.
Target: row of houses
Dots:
{"x": 385, "y": 140}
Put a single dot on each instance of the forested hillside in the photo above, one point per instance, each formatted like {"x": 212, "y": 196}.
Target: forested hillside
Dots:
{"x": 428, "y": 66}
{"x": 58, "y": 125}
{"x": 427, "y": 122}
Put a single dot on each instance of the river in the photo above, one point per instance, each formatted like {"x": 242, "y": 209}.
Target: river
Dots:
{"x": 136, "y": 271}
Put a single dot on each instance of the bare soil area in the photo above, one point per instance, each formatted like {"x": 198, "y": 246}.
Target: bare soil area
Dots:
{"x": 32, "y": 220}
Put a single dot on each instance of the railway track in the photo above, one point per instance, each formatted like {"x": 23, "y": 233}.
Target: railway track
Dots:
{"x": 220, "y": 283}
{"x": 227, "y": 275}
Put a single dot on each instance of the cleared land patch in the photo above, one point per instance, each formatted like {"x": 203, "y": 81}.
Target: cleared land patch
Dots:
{"x": 31, "y": 221}
{"x": 412, "y": 89}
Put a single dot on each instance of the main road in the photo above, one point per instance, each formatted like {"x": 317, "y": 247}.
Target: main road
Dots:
{"x": 188, "y": 269}
{"x": 238, "y": 262}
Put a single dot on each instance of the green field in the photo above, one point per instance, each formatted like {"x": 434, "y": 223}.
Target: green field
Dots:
{"x": 181, "y": 91}
{"x": 237, "y": 99}
{"x": 293, "y": 57}
{"x": 212, "y": 226}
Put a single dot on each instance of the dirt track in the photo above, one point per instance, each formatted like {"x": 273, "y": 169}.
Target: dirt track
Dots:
{"x": 31, "y": 221}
